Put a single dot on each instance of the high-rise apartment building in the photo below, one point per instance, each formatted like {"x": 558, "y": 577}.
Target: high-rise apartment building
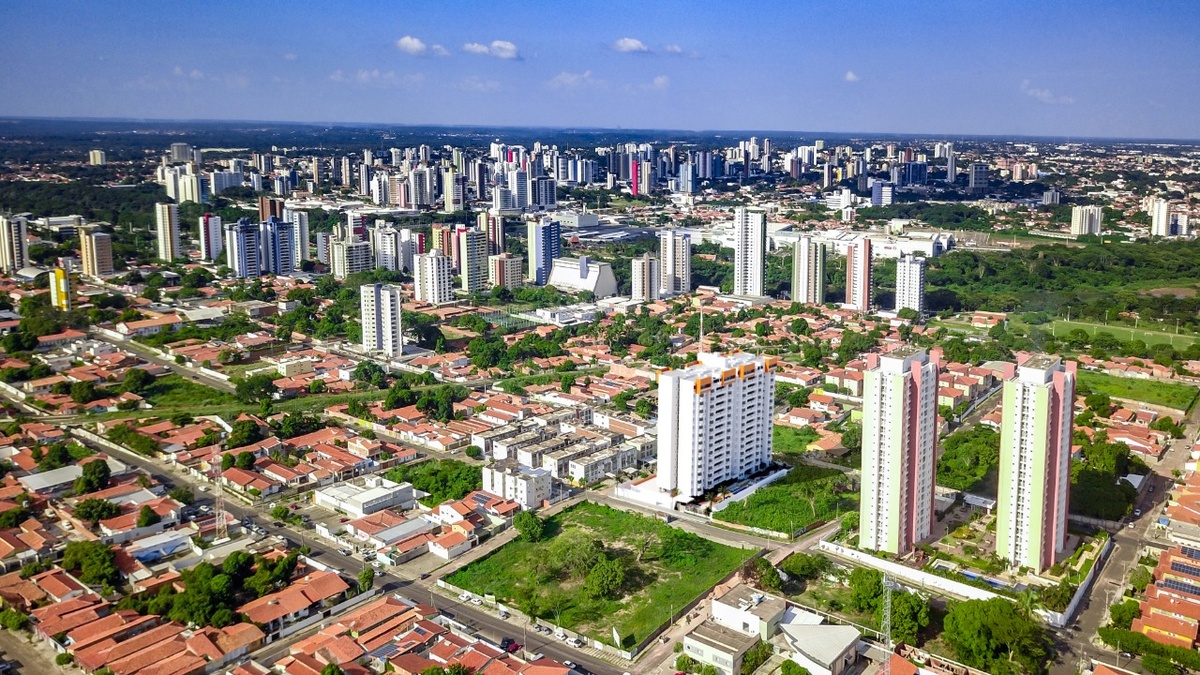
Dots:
{"x": 883, "y": 193}
{"x": 1086, "y": 220}
{"x": 750, "y": 249}
{"x": 674, "y": 263}
{"x": 97, "y": 158}
{"x": 95, "y": 249}
{"x": 808, "y": 271}
{"x": 385, "y": 242}
{"x": 277, "y": 242}
{"x": 910, "y": 283}
{"x": 545, "y": 244}
{"x": 899, "y": 450}
{"x": 506, "y": 270}
{"x": 300, "y": 234}
{"x": 268, "y": 207}
{"x": 167, "y": 220}
{"x": 212, "y": 237}
{"x": 454, "y": 191}
{"x": 381, "y": 318}
{"x": 1035, "y": 461}
{"x": 518, "y": 184}
{"x": 977, "y": 177}
{"x": 858, "y": 275}
{"x": 714, "y": 422}
{"x": 544, "y": 192}
{"x": 14, "y": 245}
{"x": 181, "y": 152}
{"x": 61, "y": 290}
{"x": 473, "y": 257}
{"x": 1163, "y": 223}
{"x": 432, "y": 281}
{"x": 347, "y": 257}
{"x": 645, "y": 278}
{"x": 493, "y": 225}
{"x": 243, "y": 249}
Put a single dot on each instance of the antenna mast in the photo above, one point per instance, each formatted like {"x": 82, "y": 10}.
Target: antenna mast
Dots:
{"x": 222, "y": 529}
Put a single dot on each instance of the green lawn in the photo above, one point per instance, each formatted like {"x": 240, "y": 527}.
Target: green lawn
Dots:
{"x": 1169, "y": 394}
{"x": 171, "y": 391}
{"x": 807, "y": 494}
{"x": 790, "y": 440}
{"x": 1061, "y": 327}
{"x": 675, "y": 568}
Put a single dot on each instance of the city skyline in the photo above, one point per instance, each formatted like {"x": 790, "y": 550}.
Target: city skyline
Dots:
{"x": 989, "y": 69}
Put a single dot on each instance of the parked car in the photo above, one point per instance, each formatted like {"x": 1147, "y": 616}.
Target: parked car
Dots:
{"x": 278, "y": 523}
{"x": 506, "y": 643}
{"x": 575, "y": 642}
{"x": 343, "y": 551}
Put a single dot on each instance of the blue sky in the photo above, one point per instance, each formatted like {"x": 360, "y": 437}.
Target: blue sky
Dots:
{"x": 1088, "y": 68}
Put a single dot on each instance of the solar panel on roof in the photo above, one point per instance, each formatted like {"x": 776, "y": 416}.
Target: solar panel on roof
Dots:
{"x": 1186, "y": 568}
{"x": 1181, "y": 586}
{"x": 385, "y": 651}
{"x": 1190, "y": 552}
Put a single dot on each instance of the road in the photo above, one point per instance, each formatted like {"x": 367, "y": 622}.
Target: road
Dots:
{"x": 188, "y": 373}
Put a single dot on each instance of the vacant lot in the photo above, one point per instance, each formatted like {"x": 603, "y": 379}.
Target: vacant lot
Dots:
{"x": 664, "y": 569}
{"x": 173, "y": 391}
{"x": 1169, "y": 394}
{"x": 807, "y": 494}
{"x": 790, "y": 440}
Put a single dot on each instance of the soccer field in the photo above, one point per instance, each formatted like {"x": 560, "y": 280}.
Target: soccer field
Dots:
{"x": 1060, "y": 328}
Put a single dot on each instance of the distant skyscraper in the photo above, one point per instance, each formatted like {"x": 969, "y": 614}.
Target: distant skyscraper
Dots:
{"x": 473, "y": 256}
{"x": 687, "y": 178}
{"x": 883, "y": 193}
{"x": 381, "y": 318}
{"x": 454, "y": 191}
{"x": 899, "y": 450}
{"x": 493, "y": 225}
{"x": 277, "y": 240}
{"x": 518, "y": 184}
{"x": 544, "y": 192}
{"x": 300, "y": 234}
{"x": 506, "y": 270}
{"x": 951, "y": 163}
{"x": 910, "y": 283}
{"x": 1035, "y": 461}
{"x": 243, "y": 249}
{"x": 1163, "y": 223}
{"x": 14, "y": 247}
{"x": 95, "y": 248}
{"x": 977, "y": 177}
{"x": 714, "y": 422}
{"x": 212, "y": 237}
{"x": 750, "y": 248}
{"x": 808, "y": 272}
{"x": 167, "y": 217}
{"x": 858, "y": 275}
{"x": 432, "y": 280}
{"x": 1051, "y": 196}
{"x": 545, "y": 244}
{"x": 385, "y": 242}
{"x": 181, "y": 152}
{"x": 645, "y": 278}
{"x": 97, "y": 158}
{"x": 1086, "y": 220}
{"x": 675, "y": 262}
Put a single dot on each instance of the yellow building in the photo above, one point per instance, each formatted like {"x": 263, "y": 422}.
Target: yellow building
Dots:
{"x": 61, "y": 290}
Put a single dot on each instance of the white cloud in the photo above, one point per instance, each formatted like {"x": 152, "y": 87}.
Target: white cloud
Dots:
{"x": 1044, "y": 95}
{"x": 439, "y": 50}
{"x": 565, "y": 80}
{"x": 476, "y": 83}
{"x": 501, "y": 49}
{"x": 177, "y": 71}
{"x": 673, "y": 49}
{"x": 411, "y": 45}
{"x": 661, "y": 82}
{"x": 196, "y": 74}
{"x": 289, "y": 57}
{"x": 628, "y": 45}
{"x": 851, "y": 76}
{"x": 373, "y": 77}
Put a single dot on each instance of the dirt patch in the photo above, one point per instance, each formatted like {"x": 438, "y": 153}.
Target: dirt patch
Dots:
{"x": 1175, "y": 291}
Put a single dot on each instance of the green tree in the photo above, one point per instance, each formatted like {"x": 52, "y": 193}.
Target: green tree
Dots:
{"x": 1140, "y": 578}
{"x": 1123, "y": 613}
{"x": 182, "y": 494}
{"x": 644, "y": 408}
{"x": 366, "y": 579}
{"x": 910, "y": 615}
{"x": 227, "y": 461}
{"x": 245, "y": 460}
{"x": 852, "y": 437}
{"x": 147, "y": 517}
{"x": 243, "y": 433}
{"x": 255, "y": 388}
{"x": 529, "y": 526}
{"x": 804, "y": 565}
{"x": 94, "y": 476}
{"x": 137, "y": 380}
{"x": 866, "y": 589}
{"x": 331, "y": 669}
{"x": 605, "y": 578}
{"x": 13, "y": 620}
{"x": 95, "y": 510}
{"x": 95, "y": 562}
{"x": 989, "y": 635}
{"x": 792, "y": 668}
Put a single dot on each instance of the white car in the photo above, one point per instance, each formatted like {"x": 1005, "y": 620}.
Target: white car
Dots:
{"x": 464, "y": 596}
{"x": 476, "y": 601}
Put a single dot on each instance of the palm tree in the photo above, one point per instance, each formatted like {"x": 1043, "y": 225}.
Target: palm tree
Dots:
{"x": 1027, "y": 601}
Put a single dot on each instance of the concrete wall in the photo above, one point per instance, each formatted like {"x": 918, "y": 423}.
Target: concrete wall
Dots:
{"x": 916, "y": 578}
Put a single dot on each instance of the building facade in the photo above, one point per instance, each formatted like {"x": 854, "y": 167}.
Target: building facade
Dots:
{"x": 382, "y": 325}
{"x": 910, "y": 283}
{"x": 506, "y": 270}
{"x": 858, "y": 275}
{"x": 95, "y": 248}
{"x": 432, "y": 281}
{"x": 750, "y": 250}
{"x": 545, "y": 245}
{"x": 808, "y": 272}
{"x": 1086, "y": 220}
{"x": 167, "y": 222}
{"x": 645, "y": 278}
{"x": 675, "y": 263}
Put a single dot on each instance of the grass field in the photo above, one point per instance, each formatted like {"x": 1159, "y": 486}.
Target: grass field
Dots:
{"x": 173, "y": 390}
{"x": 675, "y": 568}
{"x": 807, "y": 494}
{"x": 790, "y": 440}
{"x": 1061, "y": 327}
{"x": 1169, "y": 394}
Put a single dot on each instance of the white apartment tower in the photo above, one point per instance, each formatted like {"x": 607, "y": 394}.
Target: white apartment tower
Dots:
{"x": 1035, "y": 461}
{"x": 645, "y": 278}
{"x": 381, "y": 318}
{"x": 1086, "y": 220}
{"x": 506, "y": 270}
{"x": 899, "y": 450}
{"x": 14, "y": 248}
{"x": 808, "y": 272}
{"x": 432, "y": 281}
{"x": 242, "y": 249}
{"x": 910, "y": 283}
{"x": 750, "y": 249}
{"x": 675, "y": 263}
{"x": 347, "y": 257}
{"x": 167, "y": 217}
{"x": 858, "y": 275}
{"x": 473, "y": 258}
{"x": 714, "y": 422}
{"x": 95, "y": 248}
{"x": 385, "y": 241}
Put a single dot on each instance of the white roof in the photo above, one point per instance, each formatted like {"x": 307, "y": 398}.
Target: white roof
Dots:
{"x": 821, "y": 644}
{"x": 67, "y": 474}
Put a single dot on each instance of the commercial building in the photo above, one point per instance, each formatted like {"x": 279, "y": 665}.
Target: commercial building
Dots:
{"x": 808, "y": 272}
{"x": 1086, "y": 220}
{"x": 527, "y": 486}
{"x": 720, "y": 647}
{"x": 645, "y": 278}
{"x": 858, "y": 275}
{"x": 714, "y": 422}
{"x": 899, "y": 444}
{"x": 883, "y": 193}
{"x": 212, "y": 237}
{"x": 582, "y": 274}
{"x": 380, "y": 306}
{"x": 473, "y": 258}
{"x": 545, "y": 245}
{"x": 1035, "y": 461}
{"x": 675, "y": 263}
{"x": 167, "y": 219}
{"x": 432, "y": 281}
{"x": 506, "y": 270}
{"x": 95, "y": 248}
{"x": 365, "y": 495}
{"x": 910, "y": 283}
{"x": 750, "y": 249}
